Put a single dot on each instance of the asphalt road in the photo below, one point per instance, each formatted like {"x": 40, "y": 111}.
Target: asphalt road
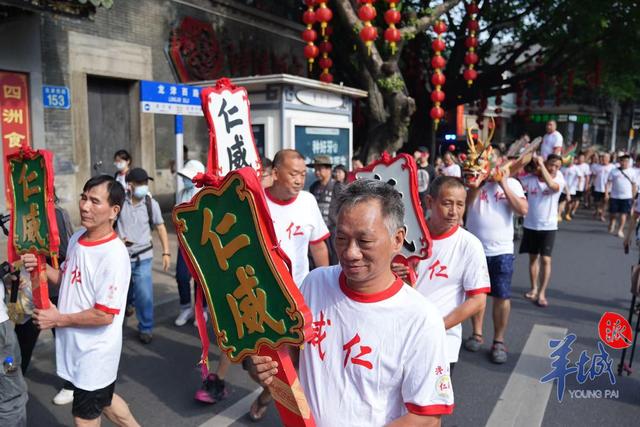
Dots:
{"x": 590, "y": 276}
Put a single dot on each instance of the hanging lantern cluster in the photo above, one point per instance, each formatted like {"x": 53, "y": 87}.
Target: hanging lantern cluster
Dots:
{"x": 437, "y": 79}
{"x": 309, "y": 35}
{"x": 392, "y": 17}
{"x": 325, "y": 62}
{"x": 367, "y": 13}
{"x": 471, "y": 43}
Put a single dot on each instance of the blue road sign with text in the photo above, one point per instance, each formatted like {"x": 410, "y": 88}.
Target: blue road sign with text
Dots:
{"x": 56, "y": 97}
{"x": 170, "y": 98}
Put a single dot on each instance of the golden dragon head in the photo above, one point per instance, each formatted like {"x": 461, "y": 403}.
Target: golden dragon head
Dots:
{"x": 477, "y": 164}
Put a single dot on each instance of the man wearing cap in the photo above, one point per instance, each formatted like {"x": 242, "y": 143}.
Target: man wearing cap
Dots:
{"x": 324, "y": 190}
{"x": 140, "y": 214}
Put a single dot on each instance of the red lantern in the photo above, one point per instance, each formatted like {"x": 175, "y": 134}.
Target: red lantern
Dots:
{"x": 309, "y": 35}
{"x": 438, "y": 78}
{"x": 326, "y": 77}
{"x": 437, "y": 113}
{"x": 325, "y": 62}
{"x": 438, "y": 45}
{"x": 309, "y": 17}
{"x": 437, "y": 96}
{"x": 367, "y": 12}
{"x": 471, "y": 43}
{"x": 392, "y": 16}
{"x": 326, "y": 47}
{"x": 323, "y": 15}
{"x": 462, "y": 157}
{"x": 310, "y": 52}
{"x": 438, "y": 61}
{"x": 452, "y": 148}
{"x": 440, "y": 27}
{"x": 368, "y": 33}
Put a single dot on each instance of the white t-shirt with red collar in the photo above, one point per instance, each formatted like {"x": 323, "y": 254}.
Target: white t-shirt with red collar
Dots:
{"x": 452, "y": 170}
{"x": 457, "y": 268}
{"x": 490, "y": 217}
{"x": 372, "y": 357}
{"x": 298, "y": 223}
{"x": 94, "y": 275}
{"x": 550, "y": 141}
{"x": 543, "y": 202}
{"x": 571, "y": 175}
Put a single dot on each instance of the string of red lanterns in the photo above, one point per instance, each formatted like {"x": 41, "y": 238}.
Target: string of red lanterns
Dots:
{"x": 323, "y": 15}
{"x": 309, "y": 35}
{"x": 367, "y": 13}
{"x": 437, "y": 79}
{"x": 325, "y": 62}
{"x": 392, "y": 17}
{"x": 471, "y": 43}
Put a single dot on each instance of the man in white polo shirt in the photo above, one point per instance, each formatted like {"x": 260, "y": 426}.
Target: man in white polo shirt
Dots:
{"x": 295, "y": 214}
{"x": 377, "y": 356}
{"x": 455, "y": 278}
{"x": 93, "y": 282}
{"x": 451, "y": 168}
{"x": 584, "y": 181}
{"x": 621, "y": 189}
{"x": 541, "y": 222}
{"x": 552, "y": 141}
{"x": 490, "y": 219}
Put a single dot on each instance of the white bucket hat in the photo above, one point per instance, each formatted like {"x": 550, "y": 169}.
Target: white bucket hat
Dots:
{"x": 191, "y": 169}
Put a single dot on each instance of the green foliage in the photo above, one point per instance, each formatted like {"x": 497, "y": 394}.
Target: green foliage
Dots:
{"x": 391, "y": 84}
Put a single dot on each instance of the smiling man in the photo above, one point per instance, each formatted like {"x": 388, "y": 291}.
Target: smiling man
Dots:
{"x": 93, "y": 284}
{"x": 377, "y": 356}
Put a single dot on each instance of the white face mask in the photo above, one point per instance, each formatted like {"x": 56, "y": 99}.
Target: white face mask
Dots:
{"x": 121, "y": 165}
{"x": 140, "y": 191}
{"x": 187, "y": 183}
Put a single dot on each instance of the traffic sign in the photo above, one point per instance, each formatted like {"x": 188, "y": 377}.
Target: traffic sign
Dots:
{"x": 56, "y": 97}
{"x": 170, "y": 98}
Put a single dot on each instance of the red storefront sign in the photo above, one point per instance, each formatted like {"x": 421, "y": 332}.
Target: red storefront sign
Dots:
{"x": 15, "y": 129}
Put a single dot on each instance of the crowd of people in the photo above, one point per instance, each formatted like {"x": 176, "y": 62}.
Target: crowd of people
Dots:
{"x": 341, "y": 239}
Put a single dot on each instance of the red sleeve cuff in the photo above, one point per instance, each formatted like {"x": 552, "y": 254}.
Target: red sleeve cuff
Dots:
{"x": 322, "y": 239}
{"x": 473, "y": 292}
{"x": 430, "y": 409}
{"x": 106, "y": 309}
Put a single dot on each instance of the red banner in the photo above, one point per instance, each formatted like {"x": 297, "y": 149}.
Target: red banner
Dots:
{"x": 15, "y": 128}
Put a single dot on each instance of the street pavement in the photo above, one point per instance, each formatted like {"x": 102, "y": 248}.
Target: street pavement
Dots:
{"x": 590, "y": 276}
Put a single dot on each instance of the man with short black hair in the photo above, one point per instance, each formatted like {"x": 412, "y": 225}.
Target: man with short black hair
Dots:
{"x": 140, "y": 214}
{"x": 552, "y": 141}
{"x": 379, "y": 356}
{"x": 541, "y": 222}
{"x": 93, "y": 287}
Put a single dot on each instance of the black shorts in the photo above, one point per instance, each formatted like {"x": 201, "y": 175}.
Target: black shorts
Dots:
{"x": 598, "y": 196}
{"x": 621, "y": 206}
{"x": 563, "y": 198}
{"x": 537, "y": 242}
{"x": 88, "y": 405}
{"x": 578, "y": 195}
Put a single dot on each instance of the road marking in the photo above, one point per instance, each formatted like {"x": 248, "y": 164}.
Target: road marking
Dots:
{"x": 233, "y": 412}
{"x": 524, "y": 399}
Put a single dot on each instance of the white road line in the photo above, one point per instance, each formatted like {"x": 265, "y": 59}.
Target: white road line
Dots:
{"x": 233, "y": 412}
{"x": 524, "y": 399}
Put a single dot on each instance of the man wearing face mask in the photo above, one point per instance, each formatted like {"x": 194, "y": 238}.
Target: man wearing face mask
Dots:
{"x": 140, "y": 214}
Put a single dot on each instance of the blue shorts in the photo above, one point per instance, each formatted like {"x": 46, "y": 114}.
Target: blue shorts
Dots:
{"x": 622, "y": 206}
{"x": 500, "y": 272}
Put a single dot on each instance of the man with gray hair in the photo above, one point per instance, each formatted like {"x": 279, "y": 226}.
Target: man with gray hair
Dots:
{"x": 366, "y": 324}
{"x": 552, "y": 141}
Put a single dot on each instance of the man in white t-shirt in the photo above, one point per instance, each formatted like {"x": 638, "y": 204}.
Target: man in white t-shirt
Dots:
{"x": 455, "y": 278}
{"x": 572, "y": 179}
{"x": 490, "y": 218}
{"x": 450, "y": 168}
{"x": 377, "y": 354}
{"x": 541, "y": 222}
{"x": 552, "y": 141}
{"x": 295, "y": 214}
{"x": 621, "y": 189}
{"x": 600, "y": 175}
{"x": 93, "y": 281}
{"x": 584, "y": 181}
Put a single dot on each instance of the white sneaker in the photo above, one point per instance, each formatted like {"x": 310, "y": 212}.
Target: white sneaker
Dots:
{"x": 64, "y": 397}
{"x": 184, "y": 316}
{"x": 206, "y": 318}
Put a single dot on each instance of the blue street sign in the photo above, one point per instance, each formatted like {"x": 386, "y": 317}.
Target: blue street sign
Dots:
{"x": 56, "y": 97}
{"x": 170, "y": 98}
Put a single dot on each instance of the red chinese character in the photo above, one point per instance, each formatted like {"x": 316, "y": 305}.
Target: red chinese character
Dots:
{"x": 615, "y": 330}
{"x": 75, "y": 276}
{"x": 296, "y": 232}
{"x": 484, "y": 196}
{"x": 439, "y": 370}
{"x": 441, "y": 270}
{"x": 364, "y": 350}
{"x": 319, "y": 334}
{"x": 499, "y": 196}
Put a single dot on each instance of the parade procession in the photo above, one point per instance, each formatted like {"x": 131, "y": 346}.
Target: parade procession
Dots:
{"x": 319, "y": 213}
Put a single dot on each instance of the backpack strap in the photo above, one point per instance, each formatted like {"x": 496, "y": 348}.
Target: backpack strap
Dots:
{"x": 147, "y": 203}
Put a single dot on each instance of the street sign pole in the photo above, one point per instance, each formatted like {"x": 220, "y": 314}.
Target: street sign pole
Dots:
{"x": 179, "y": 131}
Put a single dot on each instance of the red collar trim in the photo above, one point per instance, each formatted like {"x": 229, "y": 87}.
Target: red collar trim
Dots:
{"x": 278, "y": 201}
{"x": 369, "y": 298}
{"x": 109, "y": 238}
{"x": 446, "y": 234}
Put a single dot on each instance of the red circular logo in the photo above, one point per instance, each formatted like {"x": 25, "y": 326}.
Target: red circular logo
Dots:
{"x": 615, "y": 330}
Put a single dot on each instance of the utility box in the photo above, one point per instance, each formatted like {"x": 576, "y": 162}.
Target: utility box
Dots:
{"x": 312, "y": 117}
